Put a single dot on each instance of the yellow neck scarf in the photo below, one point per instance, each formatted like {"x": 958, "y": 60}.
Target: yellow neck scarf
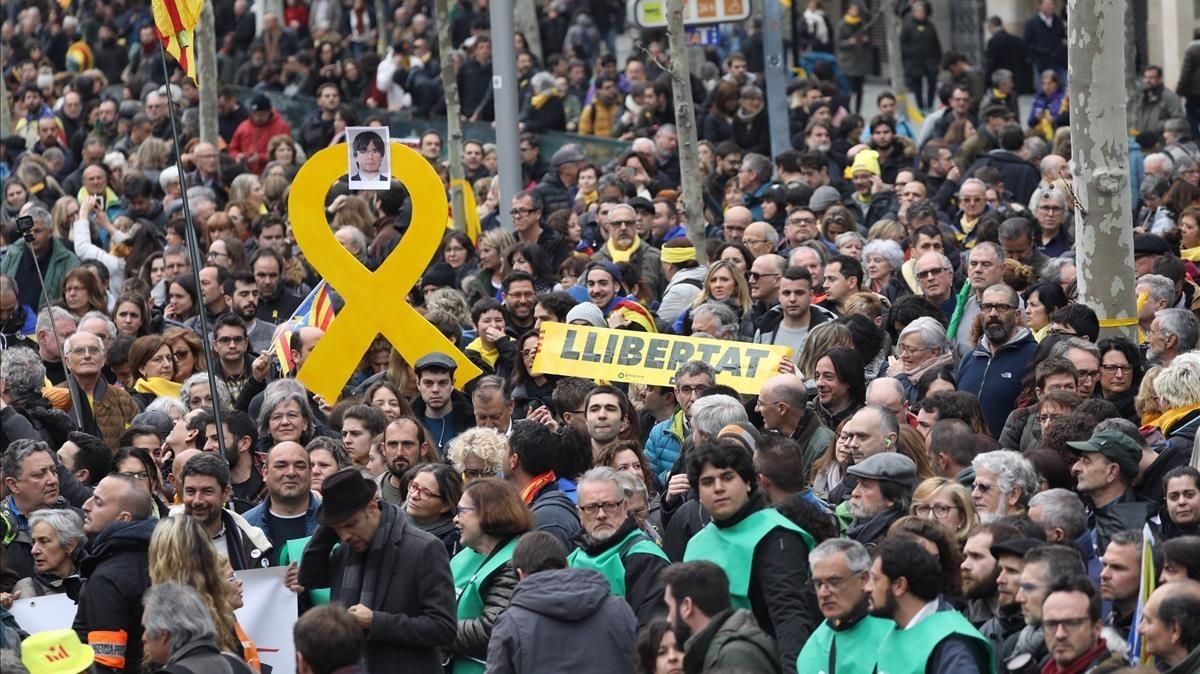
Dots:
{"x": 158, "y": 387}
{"x": 623, "y": 255}
{"x": 852, "y": 20}
{"x": 488, "y": 353}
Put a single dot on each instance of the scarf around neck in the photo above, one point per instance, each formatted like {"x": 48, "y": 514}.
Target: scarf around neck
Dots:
{"x": 359, "y": 577}
{"x": 623, "y": 255}
{"x": 531, "y": 490}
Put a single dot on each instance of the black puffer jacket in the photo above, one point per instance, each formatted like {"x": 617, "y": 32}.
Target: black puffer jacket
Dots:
{"x": 471, "y": 638}
{"x": 117, "y": 573}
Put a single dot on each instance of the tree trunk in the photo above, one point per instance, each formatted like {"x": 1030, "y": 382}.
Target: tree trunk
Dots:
{"x": 685, "y": 125}
{"x": 1100, "y": 154}
{"x": 206, "y": 70}
{"x": 454, "y": 135}
{"x": 525, "y": 17}
{"x": 383, "y": 39}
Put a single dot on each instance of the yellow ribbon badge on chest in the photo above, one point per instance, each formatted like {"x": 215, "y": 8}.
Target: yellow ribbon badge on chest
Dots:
{"x": 374, "y": 301}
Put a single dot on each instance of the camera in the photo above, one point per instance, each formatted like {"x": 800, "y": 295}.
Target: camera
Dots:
{"x": 25, "y": 226}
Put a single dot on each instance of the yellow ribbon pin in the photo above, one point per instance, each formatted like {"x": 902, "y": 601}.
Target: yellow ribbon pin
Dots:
{"x": 339, "y": 351}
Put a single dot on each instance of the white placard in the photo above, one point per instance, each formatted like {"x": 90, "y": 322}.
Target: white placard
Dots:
{"x": 40, "y": 614}
{"x": 268, "y": 616}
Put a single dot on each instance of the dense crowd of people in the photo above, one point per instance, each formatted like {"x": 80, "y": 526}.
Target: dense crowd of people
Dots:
{"x": 952, "y": 472}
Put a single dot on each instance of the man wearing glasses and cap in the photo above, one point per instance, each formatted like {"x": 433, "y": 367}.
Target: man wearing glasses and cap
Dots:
{"x": 394, "y": 578}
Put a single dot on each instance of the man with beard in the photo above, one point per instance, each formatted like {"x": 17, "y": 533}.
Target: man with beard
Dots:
{"x": 995, "y": 369}
{"x": 275, "y": 302}
{"x": 881, "y": 496}
{"x": 241, "y": 296}
{"x": 1025, "y": 650}
{"x": 520, "y": 298}
{"x": 612, "y": 544}
{"x": 245, "y": 464}
{"x": 710, "y": 631}
{"x": 848, "y": 638}
{"x": 405, "y": 445}
{"x": 930, "y": 636}
{"x": 206, "y": 490}
{"x": 1010, "y": 562}
{"x": 764, "y": 553}
{"x": 980, "y": 572}
{"x": 1004, "y": 483}
{"x": 985, "y": 268}
{"x": 290, "y": 510}
{"x": 624, "y": 245}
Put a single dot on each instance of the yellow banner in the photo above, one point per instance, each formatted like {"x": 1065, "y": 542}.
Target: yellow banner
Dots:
{"x": 647, "y": 358}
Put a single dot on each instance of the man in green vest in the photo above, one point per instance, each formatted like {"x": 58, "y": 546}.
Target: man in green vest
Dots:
{"x": 930, "y": 636}
{"x": 613, "y": 544}
{"x": 848, "y": 638}
{"x": 764, "y": 554}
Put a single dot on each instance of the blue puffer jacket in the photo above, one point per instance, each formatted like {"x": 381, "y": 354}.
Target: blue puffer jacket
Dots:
{"x": 664, "y": 444}
{"x": 996, "y": 378}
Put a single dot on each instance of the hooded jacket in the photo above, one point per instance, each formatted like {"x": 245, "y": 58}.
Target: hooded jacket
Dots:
{"x": 565, "y": 620}
{"x": 109, "y": 617}
{"x": 995, "y": 378}
{"x": 732, "y": 642}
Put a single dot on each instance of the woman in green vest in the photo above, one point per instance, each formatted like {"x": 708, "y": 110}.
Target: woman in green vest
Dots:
{"x": 492, "y": 517}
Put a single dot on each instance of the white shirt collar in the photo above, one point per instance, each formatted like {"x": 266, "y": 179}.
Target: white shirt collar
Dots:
{"x": 926, "y": 611}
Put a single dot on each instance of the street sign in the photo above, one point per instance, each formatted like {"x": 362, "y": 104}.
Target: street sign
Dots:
{"x": 653, "y": 13}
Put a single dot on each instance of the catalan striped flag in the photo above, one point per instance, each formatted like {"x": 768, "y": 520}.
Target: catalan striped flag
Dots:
{"x": 175, "y": 22}
{"x": 635, "y": 313}
{"x": 1138, "y": 655}
{"x": 315, "y": 311}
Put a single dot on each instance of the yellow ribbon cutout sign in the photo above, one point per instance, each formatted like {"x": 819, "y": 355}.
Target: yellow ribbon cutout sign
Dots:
{"x": 374, "y": 301}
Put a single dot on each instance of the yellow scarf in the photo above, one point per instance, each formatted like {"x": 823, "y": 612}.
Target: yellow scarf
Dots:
{"x": 623, "y": 255}
{"x": 852, "y": 20}
{"x": 488, "y": 353}
{"x": 1168, "y": 419}
{"x": 539, "y": 100}
{"x": 158, "y": 387}
{"x": 1192, "y": 254}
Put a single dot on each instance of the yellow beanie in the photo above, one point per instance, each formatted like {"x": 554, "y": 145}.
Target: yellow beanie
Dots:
{"x": 866, "y": 160}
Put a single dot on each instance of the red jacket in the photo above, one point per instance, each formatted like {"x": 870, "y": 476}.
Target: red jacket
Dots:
{"x": 251, "y": 139}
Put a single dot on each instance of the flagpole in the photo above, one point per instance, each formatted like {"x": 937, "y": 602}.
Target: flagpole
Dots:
{"x": 193, "y": 248}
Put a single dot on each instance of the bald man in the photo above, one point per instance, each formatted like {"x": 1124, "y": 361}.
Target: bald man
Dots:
{"x": 781, "y": 402}
{"x": 1170, "y": 626}
{"x": 290, "y": 511}
{"x": 761, "y": 238}
{"x": 737, "y": 221}
{"x": 888, "y": 392}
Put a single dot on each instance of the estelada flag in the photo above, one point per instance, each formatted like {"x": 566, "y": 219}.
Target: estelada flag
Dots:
{"x": 175, "y": 22}
{"x": 315, "y": 311}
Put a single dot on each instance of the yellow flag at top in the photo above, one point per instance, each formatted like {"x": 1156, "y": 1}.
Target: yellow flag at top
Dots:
{"x": 175, "y": 22}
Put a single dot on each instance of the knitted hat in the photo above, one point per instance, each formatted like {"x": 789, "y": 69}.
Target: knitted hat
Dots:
{"x": 588, "y": 313}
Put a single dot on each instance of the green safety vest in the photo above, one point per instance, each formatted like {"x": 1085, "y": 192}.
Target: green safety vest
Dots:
{"x": 851, "y": 651}
{"x": 908, "y": 651}
{"x": 611, "y": 562}
{"x": 471, "y": 572}
{"x": 732, "y": 548}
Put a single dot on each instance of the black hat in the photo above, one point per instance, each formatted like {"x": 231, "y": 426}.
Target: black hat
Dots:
{"x": 439, "y": 274}
{"x": 343, "y": 494}
{"x": 435, "y": 360}
{"x": 1015, "y": 546}
{"x": 1149, "y": 244}
{"x": 641, "y": 204}
{"x": 260, "y": 103}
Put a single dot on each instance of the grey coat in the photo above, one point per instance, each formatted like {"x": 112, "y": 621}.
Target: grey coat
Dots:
{"x": 565, "y": 620}
{"x": 414, "y": 602}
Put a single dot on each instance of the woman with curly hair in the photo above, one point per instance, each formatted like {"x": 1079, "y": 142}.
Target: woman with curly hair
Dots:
{"x": 477, "y": 453}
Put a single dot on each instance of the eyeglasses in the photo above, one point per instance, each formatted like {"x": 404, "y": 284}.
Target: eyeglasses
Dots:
{"x": 622, "y": 224}
{"x": 522, "y": 212}
{"x": 693, "y": 390}
{"x": 415, "y": 489}
{"x": 909, "y": 351}
{"x": 1113, "y": 369}
{"x": 135, "y": 474}
{"x": 86, "y": 351}
{"x": 754, "y": 276}
{"x": 1050, "y": 209}
{"x": 981, "y": 487}
{"x": 940, "y": 510}
{"x": 476, "y": 473}
{"x": 231, "y": 339}
{"x": 1071, "y": 624}
{"x": 609, "y": 508}
{"x": 995, "y": 308}
{"x": 180, "y": 355}
{"x": 930, "y": 273}
{"x": 802, "y": 221}
{"x": 282, "y": 416}
{"x": 1047, "y": 418}
{"x": 458, "y": 510}
{"x": 834, "y": 583}
{"x": 1088, "y": 374}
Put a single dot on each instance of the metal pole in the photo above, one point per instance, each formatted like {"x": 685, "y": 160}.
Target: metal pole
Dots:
{"x": 685, "y": 127}
{"x": 775, "y": 65}
{"x": 504, "y": 88}
{"x": 891, "y": 29}
{"x": 193, "y": 253}
{"x": 206, "y": 70}
{"x": 1100, "y": 154}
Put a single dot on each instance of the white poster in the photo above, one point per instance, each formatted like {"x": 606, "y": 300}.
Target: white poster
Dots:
{"x": 268, "y": 616}
{"x": 39, "y": 614}
{"x": 369, "y": 157}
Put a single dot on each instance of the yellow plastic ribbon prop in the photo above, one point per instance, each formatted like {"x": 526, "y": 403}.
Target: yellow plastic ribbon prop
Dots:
{"x": 374, "y": 301}
{"x": 470, "y": 215}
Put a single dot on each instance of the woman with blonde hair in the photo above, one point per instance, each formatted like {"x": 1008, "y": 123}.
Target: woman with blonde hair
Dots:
{"x": 63, "y": 215}
{"x": 181, "y": 551}
{"x": 723, "y": 283}
{"x": 821, "y": 339}
{"x": 492, "y": 267}
{"x": 248, "y": 188}
{"x": 947, "y": 503}
{"x": 477, "y": 453}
